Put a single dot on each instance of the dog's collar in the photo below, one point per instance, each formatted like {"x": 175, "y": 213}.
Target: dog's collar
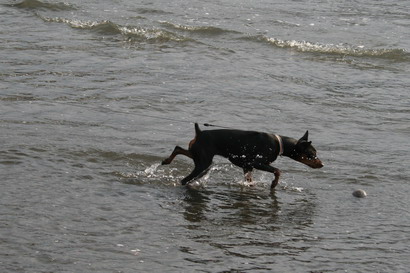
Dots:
{"x": 280, "y": 145}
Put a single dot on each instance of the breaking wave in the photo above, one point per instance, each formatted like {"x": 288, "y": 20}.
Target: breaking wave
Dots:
{"x": 202, "y": 30}
{"x": 103, "y": 27}
{"x": 172, "y": 32}
{"x": 335, "y": 49}
{"x": 131, "y": 33}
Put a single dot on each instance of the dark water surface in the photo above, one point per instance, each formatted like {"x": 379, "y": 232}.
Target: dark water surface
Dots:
{"x": 94, "y": 94}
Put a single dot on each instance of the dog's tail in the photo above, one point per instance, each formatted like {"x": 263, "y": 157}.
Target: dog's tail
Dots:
{"x": 197, "y": 134}
{"x": 197, "y": 130}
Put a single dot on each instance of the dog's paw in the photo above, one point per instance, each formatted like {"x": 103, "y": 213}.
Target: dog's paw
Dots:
{"x": 165, "y": 162}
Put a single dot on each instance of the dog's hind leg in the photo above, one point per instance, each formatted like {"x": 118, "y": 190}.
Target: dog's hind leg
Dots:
{"x": 201, "y": 168}
{"x": 177, "y": 151}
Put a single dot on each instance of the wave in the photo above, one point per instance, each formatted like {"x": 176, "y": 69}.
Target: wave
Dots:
{"x": 152, "y": 34}
{"x": 103, "y": 27}
{"x": 151, "y": 11}
{"x": 39, "y": 5}
{"x": 20, "y": 97}
{"x": 203, "y": 30}
{"x": 130, "y": 33}
{"x": 332, "y": 49}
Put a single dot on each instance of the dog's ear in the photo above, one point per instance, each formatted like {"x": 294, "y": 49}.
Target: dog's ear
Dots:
{"x": 305, "y": 137}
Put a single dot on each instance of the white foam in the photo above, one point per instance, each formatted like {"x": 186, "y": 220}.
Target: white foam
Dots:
{"x": 151, "y": 170}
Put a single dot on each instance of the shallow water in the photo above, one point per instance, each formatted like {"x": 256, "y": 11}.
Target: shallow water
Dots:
{"x": 94, "y": 94}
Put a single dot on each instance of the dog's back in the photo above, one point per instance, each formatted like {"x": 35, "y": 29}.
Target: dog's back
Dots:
{"x": 227, "y": 142}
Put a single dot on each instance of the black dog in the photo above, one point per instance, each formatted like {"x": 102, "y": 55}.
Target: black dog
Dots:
{"x": 246, "y": 149}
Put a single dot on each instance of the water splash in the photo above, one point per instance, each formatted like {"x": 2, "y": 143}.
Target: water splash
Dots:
{"x": 150, "y": 171}
{"x": 284, "y": 185}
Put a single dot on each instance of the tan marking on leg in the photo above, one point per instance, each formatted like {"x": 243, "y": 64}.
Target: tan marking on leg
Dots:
{"x": 191, "y": 143}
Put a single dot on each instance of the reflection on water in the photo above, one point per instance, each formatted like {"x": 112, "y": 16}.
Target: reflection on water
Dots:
{"x": 197, "y": 202}
{"x": 246, "y": 223}
{"x": 242, "y": 206}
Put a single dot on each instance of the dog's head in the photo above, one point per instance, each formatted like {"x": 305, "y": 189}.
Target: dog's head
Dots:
{"x": 305, "y": 153}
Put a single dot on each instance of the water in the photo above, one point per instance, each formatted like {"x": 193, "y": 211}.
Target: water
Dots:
{"x": 94, "y": 94}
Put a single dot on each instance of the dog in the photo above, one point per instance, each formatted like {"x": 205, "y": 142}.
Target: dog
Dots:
{"x": 246, "y": 149}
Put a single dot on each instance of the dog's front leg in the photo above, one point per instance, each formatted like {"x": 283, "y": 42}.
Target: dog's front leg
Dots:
{"x": 248, "y": 174}
{"x": 275, "y": 182}
{"x": 269, "y": 168}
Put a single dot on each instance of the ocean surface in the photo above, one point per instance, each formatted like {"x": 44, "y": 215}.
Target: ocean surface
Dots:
{"x": 95, "y": 94}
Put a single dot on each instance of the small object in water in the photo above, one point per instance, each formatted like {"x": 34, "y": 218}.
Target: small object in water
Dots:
{"x": 359, "y": 193}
